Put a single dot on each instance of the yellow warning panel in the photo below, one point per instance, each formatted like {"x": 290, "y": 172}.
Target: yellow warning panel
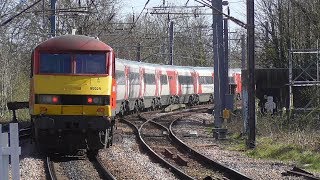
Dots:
{"x": 225, "y": 114}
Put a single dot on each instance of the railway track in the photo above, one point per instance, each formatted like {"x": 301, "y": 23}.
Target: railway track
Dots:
{"x": 25, "y": 132}
{"x": 103, "y": 171}
{"x": 50, "y": 169}
{"x": 159, "y": 140}
{"x": 53, "y": 173}
{"x": 231, "y": 173}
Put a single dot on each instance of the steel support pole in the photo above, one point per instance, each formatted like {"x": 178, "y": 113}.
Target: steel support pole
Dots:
{"x": 222, "y": 65}
{"x": 53, "y": 18}
{"x": 216, "y": 59}
{"x": 290, "y": 80}
{"x": 251, "y": 68}
{"x": 139, "y": 52}
{"x": 244, "y": 80}
{"x": 225, "y": 81}
{"x": 171, "y": 43}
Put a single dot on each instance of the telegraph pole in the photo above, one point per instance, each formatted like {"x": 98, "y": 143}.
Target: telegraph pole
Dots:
{"x": 53, "y": 18}
{"x": 171, "y": 43}
{"x": 251, "y": 67}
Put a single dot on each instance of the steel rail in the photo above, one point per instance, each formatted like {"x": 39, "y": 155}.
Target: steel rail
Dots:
{"x": 25, "y": 132}
{"x": 230, "y": 173}
{"x": 102, "y": 169}
{"x": 168, "y": 165}
{"x": 51, "y": 169}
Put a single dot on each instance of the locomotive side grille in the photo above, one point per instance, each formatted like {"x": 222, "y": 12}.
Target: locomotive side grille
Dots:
{"x": 75, "y": 99}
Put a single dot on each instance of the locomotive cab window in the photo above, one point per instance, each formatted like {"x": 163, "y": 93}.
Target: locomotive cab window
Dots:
{"x": 55, "y": 63}
{"x": 90, "y": 63}
{"x": 81, "y": 63}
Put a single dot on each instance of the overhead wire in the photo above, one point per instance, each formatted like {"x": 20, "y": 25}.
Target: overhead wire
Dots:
{"x": 235, "y": 20}
{"x": 16, "y": 15}
{"x": 134, "y": 23}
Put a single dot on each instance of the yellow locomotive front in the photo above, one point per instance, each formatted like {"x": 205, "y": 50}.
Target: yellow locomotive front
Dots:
{"x": 72, "y": 94}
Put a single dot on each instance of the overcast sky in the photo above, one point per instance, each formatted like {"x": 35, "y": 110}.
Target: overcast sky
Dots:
{"x": 237, "y": 7}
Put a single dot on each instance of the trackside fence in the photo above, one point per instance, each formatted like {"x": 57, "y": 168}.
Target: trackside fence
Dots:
{"x": 10, "y": 149}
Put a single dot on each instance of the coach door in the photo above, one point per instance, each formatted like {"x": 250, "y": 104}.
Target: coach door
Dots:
{"x": 172, "y": 77}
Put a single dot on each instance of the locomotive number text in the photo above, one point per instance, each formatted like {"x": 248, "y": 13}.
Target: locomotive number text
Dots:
{"x": 95, "y": 88}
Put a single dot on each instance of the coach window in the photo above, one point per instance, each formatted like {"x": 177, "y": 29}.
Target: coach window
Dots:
{"x": 91, "y": 63}
{"x": 55, "y": 63}
{"x": 184, "y": 80}
{"x": 120, "y": 77}
{"x": 163, "y": 79}
{"x": 206, "y": 80}
{"x": 149, "y": 79}
{"x": 231, "y": 80}
{"x": 134, "y": 78}
{"x": 209, "y": 79}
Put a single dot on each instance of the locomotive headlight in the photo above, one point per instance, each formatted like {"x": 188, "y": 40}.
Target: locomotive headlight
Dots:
{"x": 44, "y": 99}
{"x": 48, "y": 99}
{"x": 97, "y": 100}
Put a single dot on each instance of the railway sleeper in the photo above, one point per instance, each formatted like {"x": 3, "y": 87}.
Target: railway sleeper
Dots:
{"x": 181, "y": 160}
{"x": 167, "y": 153}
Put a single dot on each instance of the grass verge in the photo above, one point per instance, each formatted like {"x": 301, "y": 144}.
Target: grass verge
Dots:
{"x": 292, "y": 143}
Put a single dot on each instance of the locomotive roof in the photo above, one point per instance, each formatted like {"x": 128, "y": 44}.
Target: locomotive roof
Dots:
{"x": 73, "y": 43}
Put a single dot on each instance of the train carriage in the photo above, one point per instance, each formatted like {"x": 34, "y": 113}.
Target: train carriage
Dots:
{"x": 206, "y": 85}
{"x": 187, "y": 85}
{"x": 122, "y": 79}
{"x": 151, "y": 98}
{"x": 163, "y": 88}
{"x": 72, "y": 94}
